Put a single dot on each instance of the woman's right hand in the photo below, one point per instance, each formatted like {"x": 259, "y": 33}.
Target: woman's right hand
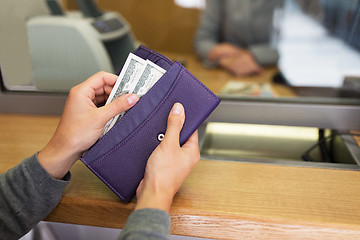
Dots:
{"x": 168, "y": 165}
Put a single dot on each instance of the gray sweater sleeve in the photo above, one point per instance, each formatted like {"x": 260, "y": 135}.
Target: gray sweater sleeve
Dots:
{"x": 264, "y": 54}
{"x": 147, "y": 224}
{"x": 27, "y": 195}
{"x": 207, "y": 34}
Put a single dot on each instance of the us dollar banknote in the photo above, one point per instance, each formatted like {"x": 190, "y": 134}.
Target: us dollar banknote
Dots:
{"x": 150, "y": 74}
{"x": 129, "y": 74}
{"x": 126, "y": 81}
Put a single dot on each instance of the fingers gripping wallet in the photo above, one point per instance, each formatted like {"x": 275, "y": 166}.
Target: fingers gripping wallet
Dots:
{"x": 119, "y": 158}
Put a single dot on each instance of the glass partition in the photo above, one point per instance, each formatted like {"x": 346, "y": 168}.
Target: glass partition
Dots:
{"x": 319, "y": 49}
{"x": 44, "y": 49}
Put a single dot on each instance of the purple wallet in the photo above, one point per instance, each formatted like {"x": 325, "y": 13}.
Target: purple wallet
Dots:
{"x": 119, "y": 158}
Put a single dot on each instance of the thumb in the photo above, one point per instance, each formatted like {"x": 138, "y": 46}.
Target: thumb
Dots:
{"x": 175, "y": 123}
{"x": 119, "y": 105}
{"x": 139, "y": 188}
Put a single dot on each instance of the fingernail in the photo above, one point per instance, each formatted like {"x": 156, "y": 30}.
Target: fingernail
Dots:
{"x": 177, "y": 109}
{"x": 132, "y": 98}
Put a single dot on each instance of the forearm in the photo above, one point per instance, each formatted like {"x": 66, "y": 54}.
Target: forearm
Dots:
{"x": 147, "y": 224}
{"x": 27, "y": 195}
{"x": 57, "y": 157}
{"x": 203, "y": 48}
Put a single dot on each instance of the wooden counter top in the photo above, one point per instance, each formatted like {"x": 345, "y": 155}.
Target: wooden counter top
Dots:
{"x": 222, "y": 200}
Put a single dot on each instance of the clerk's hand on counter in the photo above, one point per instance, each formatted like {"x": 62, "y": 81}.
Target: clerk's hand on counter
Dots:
{"x": 236, "y": 60}
{"x": 82, "y": 122}
{"x": 240, "y": 65}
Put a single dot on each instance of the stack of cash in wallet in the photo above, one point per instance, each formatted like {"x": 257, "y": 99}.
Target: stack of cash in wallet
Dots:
{"x": 137, "y": 76}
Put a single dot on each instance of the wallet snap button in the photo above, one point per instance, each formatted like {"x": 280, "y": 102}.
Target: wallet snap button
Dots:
{"x": 161, "y": 137}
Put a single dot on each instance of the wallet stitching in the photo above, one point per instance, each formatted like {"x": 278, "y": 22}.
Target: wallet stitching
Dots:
{"x": 124, "y": 118}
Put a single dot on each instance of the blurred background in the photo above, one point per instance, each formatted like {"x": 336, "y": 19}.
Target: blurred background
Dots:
{"x": 49, "y": 45}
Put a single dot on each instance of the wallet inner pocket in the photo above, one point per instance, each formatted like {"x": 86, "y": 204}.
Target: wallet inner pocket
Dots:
{"x": 135, "y": 116}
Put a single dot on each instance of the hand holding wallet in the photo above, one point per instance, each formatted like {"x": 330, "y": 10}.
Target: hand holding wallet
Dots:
{"x": 119, "y": 158}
